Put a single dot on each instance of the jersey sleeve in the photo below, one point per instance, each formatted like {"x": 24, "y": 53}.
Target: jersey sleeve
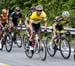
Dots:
{"x": 44, "y": 16}
{"x": 20, "y": 15}
{"x": 11, "y": 16}
{"x": 32, "y": 17}
{"x": 28, "y": 14}
{"x": 57, "y": 19}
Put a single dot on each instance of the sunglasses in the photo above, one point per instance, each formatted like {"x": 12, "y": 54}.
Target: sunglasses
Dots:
{"x": 32, "y": 8}
{"x": 17, "y": 10}
{"x": 39, "y": 10}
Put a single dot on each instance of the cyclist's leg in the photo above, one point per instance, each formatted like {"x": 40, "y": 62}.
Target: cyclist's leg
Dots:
{"x": 0, "y": 32}
{"x": 10, "y": 26}
{"x": 54, "y": 30}
{"x": 15, "y": 27}
{"x": 31, "y": 35}
{"x": 3, "y": 33}
{"x": 59, "y": 28}
{"x": 38, "y": 31}
{"x": 54, "y": 37}
{"x": 28, "y": 32}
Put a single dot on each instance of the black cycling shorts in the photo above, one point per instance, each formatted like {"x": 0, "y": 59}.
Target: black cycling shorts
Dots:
{"x": 4, "y": 24}
{"x": 36, "y": 28}
{"x": 0, "y": 28}
{"x": 15, "y": 24}
{"x": 59, "y": 27}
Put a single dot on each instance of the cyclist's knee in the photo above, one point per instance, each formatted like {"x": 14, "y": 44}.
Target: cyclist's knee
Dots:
{"x": 1, "y": 35}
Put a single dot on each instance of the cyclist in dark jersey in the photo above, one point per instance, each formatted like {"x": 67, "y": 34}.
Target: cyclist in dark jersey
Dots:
{"x": 14, "y": 16}
{"x": 15, "y": 19}
{"x": 27, "y": 17}
{"x": 32, "y": 9}
{"x": 60, "y": 22}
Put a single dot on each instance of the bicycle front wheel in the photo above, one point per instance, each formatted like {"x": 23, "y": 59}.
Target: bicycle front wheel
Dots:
{"x": 65, "y": 48}
{"x": 50, "y": 47}
{"x": 28, "y": 52}
{"x": 42, "y": 50}
{"x": 1, "y": 45}
{"x": 9, "y": 42}
{"x": 19, "y": 40}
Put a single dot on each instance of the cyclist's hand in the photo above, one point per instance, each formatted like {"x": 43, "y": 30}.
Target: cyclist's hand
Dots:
{"x": 3, "y": 28}
{"x": 67, "y": 28}
{"x": 21, "y": 27}
{"x": 45, "y": 30}
{"x": 31, "y": 32}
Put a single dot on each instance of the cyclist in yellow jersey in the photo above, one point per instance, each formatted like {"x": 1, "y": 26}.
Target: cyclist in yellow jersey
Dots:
{"x": 35, "y": 20}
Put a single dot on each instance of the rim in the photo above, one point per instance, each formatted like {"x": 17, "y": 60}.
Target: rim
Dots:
{"x": 65, "y": 48}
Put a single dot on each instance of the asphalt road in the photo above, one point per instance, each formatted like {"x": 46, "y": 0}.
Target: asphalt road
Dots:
{"x": 17, "y": 57}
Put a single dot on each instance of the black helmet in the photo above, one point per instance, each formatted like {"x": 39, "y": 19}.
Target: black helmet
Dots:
{"x": 17, "y": 9}
{"x": 33, "y": 8}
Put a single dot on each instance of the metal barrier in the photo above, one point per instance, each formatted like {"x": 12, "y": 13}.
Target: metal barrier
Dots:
{"x": 49, "y": 29}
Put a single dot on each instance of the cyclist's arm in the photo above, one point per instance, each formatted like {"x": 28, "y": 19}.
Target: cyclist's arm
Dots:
{"x": 67, "y": 25}
{"x": 11, "y": 17}
{"x": 54, "y": 28}
{"x": 10, "y": 21}
{"x": 26, "y": 22}
{"x": 20, "y": 22}
{"x": 45, "y": 19}
{"x": 30, "y": 25}
{"x": 1, "y": 23}
{"x": 46, "y": 23}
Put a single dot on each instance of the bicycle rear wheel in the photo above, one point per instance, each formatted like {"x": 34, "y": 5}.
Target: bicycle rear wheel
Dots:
{"x": 65, "y": 48}
{"x": 50, "y": 47}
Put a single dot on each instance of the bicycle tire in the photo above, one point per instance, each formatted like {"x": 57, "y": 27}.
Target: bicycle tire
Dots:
{"x": 27, "y": 51}
{"x": 43, "y": 58}
{"x": 18, "y": 37}
{"x": 7, "y": 43}
{"x": 61, "y": 50}
{"x": 53, "y": 52}
{"x": 1, "y": 46}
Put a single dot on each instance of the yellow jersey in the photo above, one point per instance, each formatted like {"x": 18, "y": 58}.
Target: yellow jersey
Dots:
{"x": 37, "y": 19}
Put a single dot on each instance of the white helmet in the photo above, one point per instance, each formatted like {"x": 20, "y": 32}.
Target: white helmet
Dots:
{"x": 65, "y": 14}
{"x": 39, "y": 7}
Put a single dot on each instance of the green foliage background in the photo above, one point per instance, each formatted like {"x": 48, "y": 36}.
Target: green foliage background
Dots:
{"x": 52, "y": 7}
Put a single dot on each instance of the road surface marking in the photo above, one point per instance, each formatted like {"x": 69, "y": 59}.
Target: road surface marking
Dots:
{"x": 3, "y": 64}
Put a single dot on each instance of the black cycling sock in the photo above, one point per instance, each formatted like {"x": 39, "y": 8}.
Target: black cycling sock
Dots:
{"x": 9, "y": 32}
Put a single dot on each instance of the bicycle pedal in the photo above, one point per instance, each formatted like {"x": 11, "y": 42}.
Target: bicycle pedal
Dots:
{"x": 41, "y": 49}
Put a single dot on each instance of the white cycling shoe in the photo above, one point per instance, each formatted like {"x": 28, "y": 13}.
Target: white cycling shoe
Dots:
{"x": 31, "y": 48}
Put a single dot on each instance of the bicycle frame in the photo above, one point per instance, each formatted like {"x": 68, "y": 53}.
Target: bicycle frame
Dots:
{"x": 36, "y": 44}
